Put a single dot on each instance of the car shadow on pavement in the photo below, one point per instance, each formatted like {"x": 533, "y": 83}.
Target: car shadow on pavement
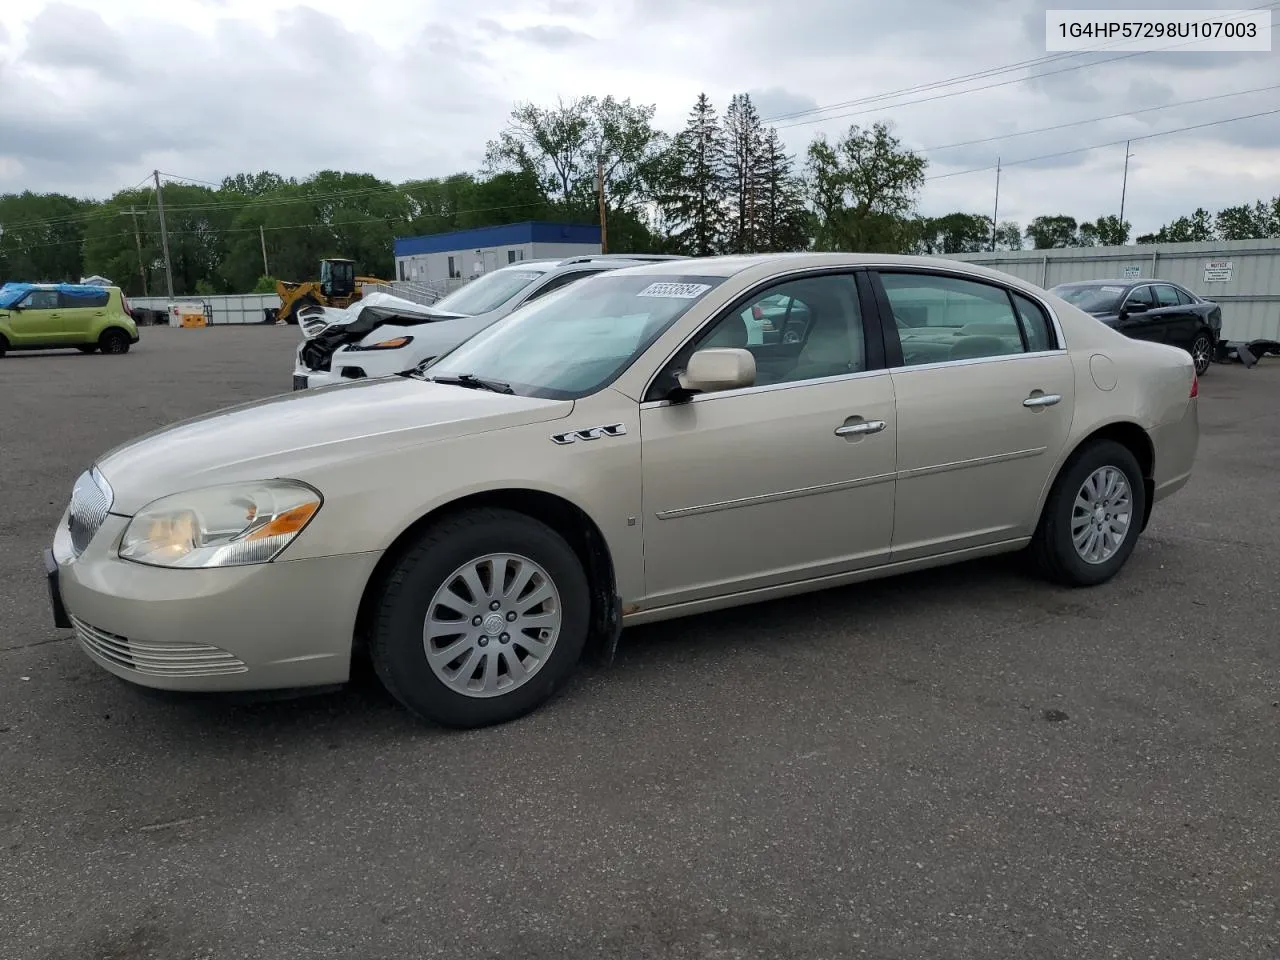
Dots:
{"x": 881, "y": 607}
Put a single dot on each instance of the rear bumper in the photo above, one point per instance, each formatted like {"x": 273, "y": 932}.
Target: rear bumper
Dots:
{"x": 1175, "y": 444}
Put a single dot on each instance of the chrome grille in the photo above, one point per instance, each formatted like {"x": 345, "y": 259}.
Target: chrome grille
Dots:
{"x": 155, "y": 659}
{"x": 90, "y": 501}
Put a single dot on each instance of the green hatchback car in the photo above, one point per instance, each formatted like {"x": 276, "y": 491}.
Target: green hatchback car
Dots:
{"x": 47, "y": 316}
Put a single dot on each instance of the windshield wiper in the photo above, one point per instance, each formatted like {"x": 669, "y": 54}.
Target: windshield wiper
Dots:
{"x": 471, "y": 381}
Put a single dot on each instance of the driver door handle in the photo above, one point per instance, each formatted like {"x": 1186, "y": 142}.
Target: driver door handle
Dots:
{"x": 1043, "y": 400}
{"x": 863, "y": 427}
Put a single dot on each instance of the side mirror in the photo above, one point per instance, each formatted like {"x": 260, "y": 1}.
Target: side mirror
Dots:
{"x": 1136, "y": 307}
{"x": 719, "y": 369}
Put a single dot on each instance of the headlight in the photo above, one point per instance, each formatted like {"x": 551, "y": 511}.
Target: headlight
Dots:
{"x": 224, "y": 526}
{"x": 395, "y": 343}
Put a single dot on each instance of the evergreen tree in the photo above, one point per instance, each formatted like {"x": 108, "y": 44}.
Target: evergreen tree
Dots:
{"x": 694, "y": 183}
{"x": 746, "y": 148}
{"x": 784, "y": 222}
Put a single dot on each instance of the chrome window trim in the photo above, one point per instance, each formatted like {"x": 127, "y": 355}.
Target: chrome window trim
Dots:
{"x": 971, "y": 361}
{"x": 1061, "y": 350}
{"x": 765, "y": 388}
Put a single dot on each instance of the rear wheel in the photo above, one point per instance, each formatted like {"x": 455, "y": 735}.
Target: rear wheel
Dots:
{"x": 481, "y": 620}
{"x": 114, "y": 340}
{"x": 1092, "y": 516}
{"x": 1202, "y": 352}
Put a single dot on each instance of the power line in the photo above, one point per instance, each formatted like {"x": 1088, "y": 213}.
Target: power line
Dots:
{"x": 1109, "y": 143}
{"x": 993, "y": 71}
{"x": 1113, "y": 116}
{"x": 960, "y": 93}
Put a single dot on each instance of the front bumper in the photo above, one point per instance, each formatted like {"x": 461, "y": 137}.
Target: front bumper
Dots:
{"x": 346, "y": 366}
{"x": 279, "y": 625}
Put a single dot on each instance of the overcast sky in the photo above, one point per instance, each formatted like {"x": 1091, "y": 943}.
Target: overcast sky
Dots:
{"x": 94, "y": 94}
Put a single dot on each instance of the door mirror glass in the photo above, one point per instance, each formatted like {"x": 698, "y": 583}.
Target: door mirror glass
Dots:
{"x": 719, "y": 368}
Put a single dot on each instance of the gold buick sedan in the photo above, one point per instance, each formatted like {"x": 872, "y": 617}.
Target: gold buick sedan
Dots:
{"x": 639, "y": 446}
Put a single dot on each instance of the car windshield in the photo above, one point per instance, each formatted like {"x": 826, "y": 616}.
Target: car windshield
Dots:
{"x": 1091, "y": 298}
{"x": 488, "y": 292}
{"x": 579, "y": 339}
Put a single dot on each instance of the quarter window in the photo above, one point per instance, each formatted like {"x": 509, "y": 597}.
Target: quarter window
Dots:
{"x": 1184, "y": 298}
{"x": 941, "y": 319}
{"x": 89, "y": 298}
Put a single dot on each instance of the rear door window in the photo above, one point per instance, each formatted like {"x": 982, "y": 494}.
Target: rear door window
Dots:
{"x": 1166, "y": 296}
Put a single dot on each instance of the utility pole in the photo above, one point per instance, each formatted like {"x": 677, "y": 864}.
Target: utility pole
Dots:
{"x": 995, "y": 214}
{"x": 604, "y": 236}
{"x": 137, "y": 236}
{"x": 164, "y": 235}
{"x": 1124, "y": 184}
{"x": 262, "y": 236}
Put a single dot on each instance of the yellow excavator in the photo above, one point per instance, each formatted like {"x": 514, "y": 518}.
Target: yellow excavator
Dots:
{"x": 338, "y": 287}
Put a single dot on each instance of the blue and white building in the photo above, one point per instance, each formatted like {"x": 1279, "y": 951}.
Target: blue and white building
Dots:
{"x": 466, "y": 254}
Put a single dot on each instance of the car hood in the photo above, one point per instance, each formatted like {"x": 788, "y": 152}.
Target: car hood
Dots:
{"x": 295, "y": 433}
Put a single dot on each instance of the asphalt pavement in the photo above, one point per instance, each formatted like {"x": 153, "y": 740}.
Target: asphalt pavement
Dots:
{"x": 960, "y": 763}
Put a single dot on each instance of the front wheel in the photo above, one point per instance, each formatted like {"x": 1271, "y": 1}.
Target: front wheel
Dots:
{"x": 481, "y": 620}
{"x": 1092, "y": 516}
{"x": 1202, "y": 353}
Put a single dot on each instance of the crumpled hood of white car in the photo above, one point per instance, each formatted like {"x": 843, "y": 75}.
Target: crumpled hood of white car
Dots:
{"x": 292, "y": 434}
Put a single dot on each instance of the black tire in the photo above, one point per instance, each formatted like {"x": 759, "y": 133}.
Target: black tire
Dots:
{"x": 397, "y": 647}
{"x": 87, "y": 347}
{"x": 4, "y": 345}
{"x": 113, "y": 340}
{"x": 1052, "y": 548}
{"x": 1202, "y": 352}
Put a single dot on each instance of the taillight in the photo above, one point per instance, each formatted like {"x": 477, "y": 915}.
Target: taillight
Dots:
{"x": 124, "y": 302}
{"x": 1195, "y": 386}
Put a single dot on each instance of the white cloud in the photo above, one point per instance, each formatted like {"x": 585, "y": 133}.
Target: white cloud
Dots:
{"x": 96, "y": 93}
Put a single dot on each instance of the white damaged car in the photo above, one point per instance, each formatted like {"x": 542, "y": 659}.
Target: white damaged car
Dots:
{"x": 382, "y": 335}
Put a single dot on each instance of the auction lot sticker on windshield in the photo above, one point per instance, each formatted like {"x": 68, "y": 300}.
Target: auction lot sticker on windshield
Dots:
{"x": 1113, "y": 289}
{"x": 676, "y": 291}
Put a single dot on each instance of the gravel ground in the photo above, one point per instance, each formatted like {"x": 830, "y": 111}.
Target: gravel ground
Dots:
{"x": 961, "y": 763}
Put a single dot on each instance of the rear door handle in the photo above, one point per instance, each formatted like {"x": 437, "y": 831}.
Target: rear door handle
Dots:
{"x": 1043, "y": 400}
{"x": 863, "y": 427}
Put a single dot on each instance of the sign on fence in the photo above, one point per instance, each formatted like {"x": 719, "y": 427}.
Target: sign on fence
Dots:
{"x": 1217, "y": 271}
{"x": 1131, "y": 272}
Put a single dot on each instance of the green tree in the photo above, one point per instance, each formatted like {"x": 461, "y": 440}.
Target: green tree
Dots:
{"x": 745, "y": 148}
{"x": 1058, "y": 230}
{"x": 1008, "y": 236}
{"x": 1249, "y": 222}
{"x": 1106, "y": 231}
{"x": 955, "y": 233}
{"x": 127, "y": 221}
{"x": 863, "y": 189}
{"x": 693, "y": 185}
{"x": 784, "y": 223}
{"x": 1196, "y": 228}
{"x": 42, "y": 236}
